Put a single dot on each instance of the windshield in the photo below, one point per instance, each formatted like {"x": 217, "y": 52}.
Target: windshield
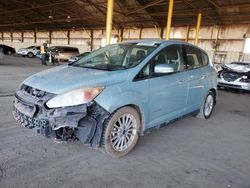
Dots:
{"x": 117, "y": 56}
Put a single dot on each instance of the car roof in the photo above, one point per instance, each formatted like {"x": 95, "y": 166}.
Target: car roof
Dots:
{"x": 162, "y": 42}
{"x": 62, "y": 47}
{"x": 156, "y": 41}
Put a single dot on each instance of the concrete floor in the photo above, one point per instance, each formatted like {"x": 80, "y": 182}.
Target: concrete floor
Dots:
{"x": 191, "y": 153}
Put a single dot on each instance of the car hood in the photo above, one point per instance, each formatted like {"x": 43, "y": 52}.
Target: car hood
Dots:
{"x": 65, "y": 78}
{"x": 238, "y": 68}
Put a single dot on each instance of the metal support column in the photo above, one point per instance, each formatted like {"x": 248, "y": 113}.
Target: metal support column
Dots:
{"x": 34, "y": 36}
{"x": 22, "y": 37}
{"x": 110, "y": 7}
{"x": 187, "y": 34}
{"x": 161, "y": 32}
{"x": 91, "y": 39}
{"x": 68, "y": 37}
{"x": 140, "y": 32}
{"x": 170, "y": 13}
{"x": 50, "y": 36}
{"x": 121, "y": 35}
{"x": 11, "y": 36}
{"x": 197, "y": 29}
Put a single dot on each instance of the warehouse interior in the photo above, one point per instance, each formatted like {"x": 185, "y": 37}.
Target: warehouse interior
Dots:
{"x": 188, "y": 153}
{"x": 224, "y": 25}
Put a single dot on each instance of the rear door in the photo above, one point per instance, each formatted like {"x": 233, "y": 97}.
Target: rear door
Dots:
{"x": 197, "y": 77}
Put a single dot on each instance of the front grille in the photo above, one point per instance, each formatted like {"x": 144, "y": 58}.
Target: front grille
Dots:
{"x": 33, "y": 91}
{"x": 29, "y": 122}
{"x": 229, "y": 76}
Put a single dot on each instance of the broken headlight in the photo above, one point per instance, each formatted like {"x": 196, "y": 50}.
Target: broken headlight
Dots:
{"x": 245, "y": 79}
{"x": 75, "y": 97}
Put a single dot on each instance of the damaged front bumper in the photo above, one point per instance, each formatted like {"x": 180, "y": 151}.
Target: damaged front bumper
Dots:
{"x": 83, "y": 122}
{"x": 233, "y": 84}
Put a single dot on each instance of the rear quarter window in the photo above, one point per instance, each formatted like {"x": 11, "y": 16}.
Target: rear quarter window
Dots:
{"x": 205, "y": 59}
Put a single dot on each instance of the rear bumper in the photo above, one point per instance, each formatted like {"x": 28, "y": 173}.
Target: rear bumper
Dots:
{"x": 84, "y": 122}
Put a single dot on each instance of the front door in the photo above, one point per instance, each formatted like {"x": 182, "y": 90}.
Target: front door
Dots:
{"x": 168, "y": 91}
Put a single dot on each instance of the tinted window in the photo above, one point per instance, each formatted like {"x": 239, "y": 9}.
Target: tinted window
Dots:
{"x": 170, "y": 56}
{"x": 70, "y": 49}
{"x": 193, "y": 57}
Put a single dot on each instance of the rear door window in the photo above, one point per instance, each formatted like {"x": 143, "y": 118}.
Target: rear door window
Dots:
{"x": 193, "y": 57}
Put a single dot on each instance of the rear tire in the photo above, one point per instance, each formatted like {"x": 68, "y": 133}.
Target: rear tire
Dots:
{"x": 121, "y": 132}
{"x": 207, "y": 106}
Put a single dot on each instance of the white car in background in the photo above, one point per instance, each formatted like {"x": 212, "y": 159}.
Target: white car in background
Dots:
{"x": 30, "y": 51}
{"x": 235, "y": 75}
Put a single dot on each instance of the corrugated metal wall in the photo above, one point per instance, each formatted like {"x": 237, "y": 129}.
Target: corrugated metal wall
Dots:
{"x": 230, "y": 38}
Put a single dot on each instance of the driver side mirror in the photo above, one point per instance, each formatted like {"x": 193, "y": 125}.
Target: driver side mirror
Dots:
{"x": 163, "y": 69}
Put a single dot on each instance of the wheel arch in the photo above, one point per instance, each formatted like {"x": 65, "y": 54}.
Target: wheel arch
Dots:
{"x": 30, "y": 53}
{"x": 214, "y": 92}
{"x": 140, "y": 113}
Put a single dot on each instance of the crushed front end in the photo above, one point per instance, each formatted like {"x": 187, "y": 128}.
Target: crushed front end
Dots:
{"x": 230, "y": 78}
{"x": 83, "y": 122}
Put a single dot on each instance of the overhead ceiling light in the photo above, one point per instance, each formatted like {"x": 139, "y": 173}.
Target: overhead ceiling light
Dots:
{"x": 68, "y": 16}
{"x": 50, "y": 16}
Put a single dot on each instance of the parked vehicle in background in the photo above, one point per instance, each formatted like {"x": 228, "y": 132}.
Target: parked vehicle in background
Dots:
{"x": 30, "y": 51}
{"x": 61, "y": 53}
{"x": 77, "y": 57}
{"x": 118, "y": 92}
{"x": 7, "y": 50}
{"x": 1, "y": 54}
{"x": 235, "y": 75}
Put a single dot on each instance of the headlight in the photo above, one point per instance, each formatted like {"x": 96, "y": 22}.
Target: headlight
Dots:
{"x": 75, "y": 97}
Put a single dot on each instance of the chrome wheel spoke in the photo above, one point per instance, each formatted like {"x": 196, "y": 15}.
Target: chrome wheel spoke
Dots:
{"x": 208, "y": 105}
{"x": 115, "y": 142}
{"x": 123, "y": 132}
{"x": 115, "y": 137}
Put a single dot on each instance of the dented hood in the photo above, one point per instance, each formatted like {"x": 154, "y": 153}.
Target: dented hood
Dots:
{"x": 237, "y": 67}
{"x": 65, "y": 78}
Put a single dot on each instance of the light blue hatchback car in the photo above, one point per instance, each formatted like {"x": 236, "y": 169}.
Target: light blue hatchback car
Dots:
{"x": 116, "y": 93}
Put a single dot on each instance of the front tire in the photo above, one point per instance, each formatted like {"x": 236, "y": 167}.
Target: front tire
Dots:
{"x": 121, "y": 132}
{"x": 207, "y": 106}
{"x": 30, "y": 55}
